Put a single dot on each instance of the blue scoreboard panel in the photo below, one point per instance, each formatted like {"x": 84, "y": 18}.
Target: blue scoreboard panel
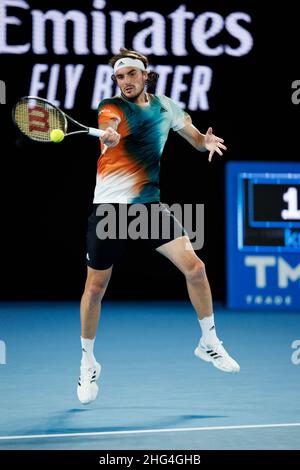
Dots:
{"x": 263, "y": 235}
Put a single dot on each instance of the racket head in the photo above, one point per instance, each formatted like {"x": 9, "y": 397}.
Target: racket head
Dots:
{"x": 36, "y": 118}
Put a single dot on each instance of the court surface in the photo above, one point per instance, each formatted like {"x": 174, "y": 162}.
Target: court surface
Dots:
{"x": 154, "y": 393}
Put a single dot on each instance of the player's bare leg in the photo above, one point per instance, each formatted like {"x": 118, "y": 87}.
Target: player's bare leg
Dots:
{"x": 90, "y": 307}
{"x": 181, "y": 253}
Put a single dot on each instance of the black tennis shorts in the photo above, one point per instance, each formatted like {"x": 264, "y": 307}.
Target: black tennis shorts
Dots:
{"x": 111, "y": 227}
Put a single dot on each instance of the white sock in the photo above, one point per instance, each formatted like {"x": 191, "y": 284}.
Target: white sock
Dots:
{"x": 88, "y": 358}
{"x": 208, "y": 328}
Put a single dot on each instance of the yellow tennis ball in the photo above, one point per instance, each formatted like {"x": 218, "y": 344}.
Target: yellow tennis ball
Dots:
{"x": 57, "y": 135}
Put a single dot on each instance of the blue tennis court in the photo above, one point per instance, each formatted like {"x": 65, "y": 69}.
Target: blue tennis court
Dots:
{"x": 154, "y": 393}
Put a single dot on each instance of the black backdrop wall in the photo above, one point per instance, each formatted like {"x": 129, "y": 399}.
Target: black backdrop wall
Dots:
{"x": 245, "y": 58}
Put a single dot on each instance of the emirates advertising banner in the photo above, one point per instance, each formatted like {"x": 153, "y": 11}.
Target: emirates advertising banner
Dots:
{"x": 60, "y": 49}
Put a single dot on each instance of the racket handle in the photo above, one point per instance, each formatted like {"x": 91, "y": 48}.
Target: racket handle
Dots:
{"x": 95, "y": 132}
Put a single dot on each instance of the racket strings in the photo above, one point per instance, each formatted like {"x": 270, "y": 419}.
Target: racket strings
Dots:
{"x": 37, "y": 119}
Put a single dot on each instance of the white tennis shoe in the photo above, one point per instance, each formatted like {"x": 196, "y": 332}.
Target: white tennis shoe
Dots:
{"x": 218, "y": 355}
{"x": 87, "y": 389}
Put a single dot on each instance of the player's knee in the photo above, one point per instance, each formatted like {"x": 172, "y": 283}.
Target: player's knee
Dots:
{"x": 95, "y": 290}
{"x": 196, "y": 271}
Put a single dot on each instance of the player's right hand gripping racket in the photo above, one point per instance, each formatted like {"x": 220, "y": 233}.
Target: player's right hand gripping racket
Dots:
{"x": 37, "y": 117}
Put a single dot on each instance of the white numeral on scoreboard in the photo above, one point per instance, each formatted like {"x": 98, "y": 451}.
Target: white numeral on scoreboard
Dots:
{"x": 292, "y": 212}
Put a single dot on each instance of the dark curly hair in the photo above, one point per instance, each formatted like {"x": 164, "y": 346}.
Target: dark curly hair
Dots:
{"x": 152, "y": 76}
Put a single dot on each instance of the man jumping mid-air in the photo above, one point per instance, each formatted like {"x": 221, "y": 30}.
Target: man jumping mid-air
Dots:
{"x": 136, "y": 125}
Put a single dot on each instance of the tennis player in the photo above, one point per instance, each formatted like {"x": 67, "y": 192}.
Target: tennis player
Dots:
{"x": 136, "y": 125}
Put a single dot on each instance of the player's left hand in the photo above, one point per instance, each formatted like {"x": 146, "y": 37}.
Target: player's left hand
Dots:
{"x": 213, "y": 143}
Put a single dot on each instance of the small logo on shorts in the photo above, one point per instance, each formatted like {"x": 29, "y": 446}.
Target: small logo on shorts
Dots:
{"x": 87, "y": 257}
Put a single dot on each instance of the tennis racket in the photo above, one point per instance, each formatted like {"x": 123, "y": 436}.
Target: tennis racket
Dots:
{"x": 36, "y": 118}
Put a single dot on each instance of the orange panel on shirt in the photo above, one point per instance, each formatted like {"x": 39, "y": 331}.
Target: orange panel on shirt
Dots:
{"x": 111, "y": 111}
{"x": 116, "y": 159}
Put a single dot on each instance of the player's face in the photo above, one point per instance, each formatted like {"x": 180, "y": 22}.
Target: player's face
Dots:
{"x": 131, "y": 81}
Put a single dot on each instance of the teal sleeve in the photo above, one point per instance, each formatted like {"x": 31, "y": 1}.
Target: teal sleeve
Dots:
{"x": 178, "y": 115}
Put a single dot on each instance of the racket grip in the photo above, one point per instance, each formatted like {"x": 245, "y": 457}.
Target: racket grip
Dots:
{"x": 95, "y": 132}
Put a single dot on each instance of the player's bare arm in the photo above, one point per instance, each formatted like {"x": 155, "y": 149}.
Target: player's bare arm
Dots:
{"x": 202, "y": 142}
